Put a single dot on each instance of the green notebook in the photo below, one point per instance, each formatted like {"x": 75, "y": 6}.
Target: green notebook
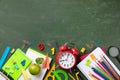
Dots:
{"x": 18, "y": 61}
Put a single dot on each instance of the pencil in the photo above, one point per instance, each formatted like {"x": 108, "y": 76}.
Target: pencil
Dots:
{"x": 104, "y": 73}
{"x": 93, "y": 77}
{"x": 99, "y": 73}
{"x": 102, "y": 67}
{"x": 96, "y": 76}
{"x": 111, "y": 69}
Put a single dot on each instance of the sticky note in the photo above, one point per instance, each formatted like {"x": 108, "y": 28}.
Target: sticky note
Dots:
{"x": 87, "y": 62}
{"x": 92, "y": 56}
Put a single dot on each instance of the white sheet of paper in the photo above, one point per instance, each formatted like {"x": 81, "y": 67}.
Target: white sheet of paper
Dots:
{"x": 3, "y": 77}
{"x": 32, "y": 54}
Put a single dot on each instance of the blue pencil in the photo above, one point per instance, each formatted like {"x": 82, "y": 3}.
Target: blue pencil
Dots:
{"x": 104, "y": 65}
{"x": 100, "y": 74}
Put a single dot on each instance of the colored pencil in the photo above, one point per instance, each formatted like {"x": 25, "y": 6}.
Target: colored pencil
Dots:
{"x": 104, "y": 73}
{"x": 95, "y": 75}
{"x": 104, "y": 65}
{"x": 111, "y": 69}
{"x": 99, "y": 73}
{"x": 103, "y": 68}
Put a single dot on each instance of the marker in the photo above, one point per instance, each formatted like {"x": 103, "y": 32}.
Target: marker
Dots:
{"x": 4, "y": 56}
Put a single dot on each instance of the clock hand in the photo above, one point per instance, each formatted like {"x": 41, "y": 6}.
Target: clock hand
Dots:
{"x": 67, "y": 57}
{"x": 63, "y": 60}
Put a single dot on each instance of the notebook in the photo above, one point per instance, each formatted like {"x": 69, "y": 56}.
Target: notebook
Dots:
{"x": 33, "y": 54}
{"x": 3, "y": 76}
{"x": 13, "y": 66}
{"x": 97, "y": 66}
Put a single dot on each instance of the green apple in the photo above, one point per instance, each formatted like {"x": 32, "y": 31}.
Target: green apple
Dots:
{"x": 34, "y": 69}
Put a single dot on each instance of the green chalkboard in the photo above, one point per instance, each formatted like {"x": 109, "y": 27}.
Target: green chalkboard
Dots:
{"x": 82, "y": 22}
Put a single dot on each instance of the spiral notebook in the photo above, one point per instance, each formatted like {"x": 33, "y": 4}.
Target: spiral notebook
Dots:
{"x": 13, "y": 66}
{"x": 97, "y": 66}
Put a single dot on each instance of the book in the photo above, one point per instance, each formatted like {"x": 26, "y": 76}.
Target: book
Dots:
{"x": 98, "y": 66}
{"x": 13, "y": 66}
{"x": 33, "y": 54}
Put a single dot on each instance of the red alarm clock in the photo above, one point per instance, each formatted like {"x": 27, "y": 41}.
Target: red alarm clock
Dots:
{"x": 66, "y": 58}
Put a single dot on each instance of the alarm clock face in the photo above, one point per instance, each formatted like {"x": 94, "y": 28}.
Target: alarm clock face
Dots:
{"x": 66, "y": 60}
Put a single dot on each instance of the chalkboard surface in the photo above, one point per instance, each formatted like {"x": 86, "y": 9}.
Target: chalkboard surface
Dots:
{"x": 82, "y": 22}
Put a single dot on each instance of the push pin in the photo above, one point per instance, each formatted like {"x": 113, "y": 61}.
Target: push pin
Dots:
{"x": 25, "y": 43}
{"x": 7, "y": 67}
{"x": 10, "y": 72}
{"x": 23, "y": 62}
{"x": 15, "y": 65}
{"x": 49, "y": 44}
